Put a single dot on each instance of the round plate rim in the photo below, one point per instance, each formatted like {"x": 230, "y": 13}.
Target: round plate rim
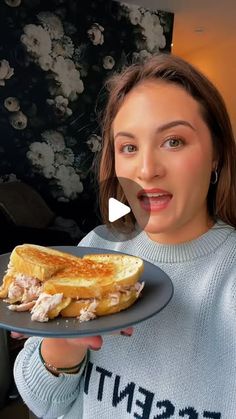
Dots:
{"x": 38, "y": 328}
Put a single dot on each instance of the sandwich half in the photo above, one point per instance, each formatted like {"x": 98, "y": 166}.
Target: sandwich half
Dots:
{"x": 49, "y": 283}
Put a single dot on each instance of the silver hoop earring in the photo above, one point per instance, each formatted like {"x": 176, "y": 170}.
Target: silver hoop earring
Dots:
{"x": 213, "y": 182}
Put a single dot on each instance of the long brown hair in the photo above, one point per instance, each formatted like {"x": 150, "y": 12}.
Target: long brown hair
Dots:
{"x": 221, "y": 198}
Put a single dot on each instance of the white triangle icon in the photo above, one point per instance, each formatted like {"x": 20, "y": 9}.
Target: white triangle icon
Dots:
{"x": 116, "y": 209}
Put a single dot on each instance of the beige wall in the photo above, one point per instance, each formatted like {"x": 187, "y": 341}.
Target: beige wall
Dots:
{"x": 219, "y": 64}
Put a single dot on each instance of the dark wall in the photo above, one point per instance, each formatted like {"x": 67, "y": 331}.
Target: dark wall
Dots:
{"x": 54, "y": 59}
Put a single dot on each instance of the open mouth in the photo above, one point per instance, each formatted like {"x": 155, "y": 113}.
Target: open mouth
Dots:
{"x": 154, "y": 201}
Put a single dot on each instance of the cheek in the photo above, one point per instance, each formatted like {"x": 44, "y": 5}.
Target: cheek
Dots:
{"x": 123, "y": 167}
{"x": 192, "y": 177}
{"x": 117, "y": 166}
{"x": 194, "y": 165}
{"x": 125, "y": 174}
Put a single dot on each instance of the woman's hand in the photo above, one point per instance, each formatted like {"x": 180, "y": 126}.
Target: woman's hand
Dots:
{"x": 68, "y": 352}
{"x": 19, "y": 336}
{"x": 125, "y": 332}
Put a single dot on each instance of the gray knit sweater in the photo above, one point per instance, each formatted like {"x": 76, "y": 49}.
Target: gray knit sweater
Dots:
{"x": 179, "y": 364}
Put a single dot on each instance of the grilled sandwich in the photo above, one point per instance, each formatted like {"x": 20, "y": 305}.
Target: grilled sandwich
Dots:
{"x": 49, "y": 283}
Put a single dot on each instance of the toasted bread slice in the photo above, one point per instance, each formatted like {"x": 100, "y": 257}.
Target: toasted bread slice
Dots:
{"x": 40, "y": 262}
{"x": 56, "y": 311}
{"x": 114, "y": 271}
{"x": 110, "y": 304}
{"x": 7, "y": 280}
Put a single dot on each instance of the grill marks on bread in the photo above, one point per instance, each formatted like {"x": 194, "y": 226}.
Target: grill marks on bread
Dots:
{"x": 49, "y": 283}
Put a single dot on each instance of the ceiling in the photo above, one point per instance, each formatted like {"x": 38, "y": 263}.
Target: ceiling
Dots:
{"x": 197, "y": 23}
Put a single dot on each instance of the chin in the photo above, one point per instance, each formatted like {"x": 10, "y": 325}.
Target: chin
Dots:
{"x": 159, "y": 223}
{"x": 154, "y": 227}
{"x": 154, "y": 230}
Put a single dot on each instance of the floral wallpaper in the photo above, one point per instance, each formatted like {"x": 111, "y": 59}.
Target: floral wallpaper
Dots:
{"x": 54, "y": 59}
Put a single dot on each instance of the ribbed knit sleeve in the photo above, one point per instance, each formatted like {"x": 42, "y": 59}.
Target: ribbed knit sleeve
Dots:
{"x": 46, "y": 395}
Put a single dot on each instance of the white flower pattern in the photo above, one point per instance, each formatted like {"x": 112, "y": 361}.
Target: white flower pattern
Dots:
{"x": 18, "y": 120}
{"x": 94, "y": 143}
{"x": 65, "y": 157}
{"x": 95, "y": 34}
{"x": 40, "y": 154}
{"x": 60, "y": 105}
{"x": 12, "y": 104}
{"x": 63, "y": 46}
{"x": 108, "y": 62}
{"x": 135, "y": 15}
{"x": 152, "y": 32}
{"x": 69, "y": 181}
{"x": 52, "y": 24}
{"x": 13, "y": 3}
{"x": 54, "y": 139}
{"x": 6, "y": 72}
{"x": 36, "y": 40}
{"x": 51, "y": 75}
{"x": 68, "y": 78}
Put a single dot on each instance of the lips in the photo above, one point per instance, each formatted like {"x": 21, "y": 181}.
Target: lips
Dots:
{"x": 152, "y": 193}
{"x": 154, "y": 199}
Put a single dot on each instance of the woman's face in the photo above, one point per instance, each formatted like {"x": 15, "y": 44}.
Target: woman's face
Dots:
{"x": 164, "y": 159}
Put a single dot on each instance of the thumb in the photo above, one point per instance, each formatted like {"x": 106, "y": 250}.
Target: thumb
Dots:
{"x": 91, "y": 342}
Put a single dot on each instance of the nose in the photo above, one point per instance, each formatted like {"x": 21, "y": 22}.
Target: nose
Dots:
{"x": 150, "y": 165}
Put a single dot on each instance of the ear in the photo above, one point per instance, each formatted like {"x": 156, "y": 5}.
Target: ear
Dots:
{"x": 215, "y": 162}
{"x": 214, "y": 165}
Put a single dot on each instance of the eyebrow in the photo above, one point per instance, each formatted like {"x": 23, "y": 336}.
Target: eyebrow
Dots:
{"x": 161, "y": 128}
{"x": 175, "y": 123}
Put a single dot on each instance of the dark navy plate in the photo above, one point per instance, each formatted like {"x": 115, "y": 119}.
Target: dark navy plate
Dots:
{"x": 155, "y": 296}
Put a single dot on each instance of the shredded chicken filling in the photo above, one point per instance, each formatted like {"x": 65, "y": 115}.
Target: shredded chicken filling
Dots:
{"x": 25, "y": 294}
{"x": 43, "y": 305}
{"x": 24, "y": 289}
{"x": 88, "y": 313}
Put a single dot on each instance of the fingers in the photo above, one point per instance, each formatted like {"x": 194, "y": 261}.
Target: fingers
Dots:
{"x": 19, "y": 336}
{"x": 91, "y": 342}
{"x": 127, "y": 332}
{"x": 95, "y": 342}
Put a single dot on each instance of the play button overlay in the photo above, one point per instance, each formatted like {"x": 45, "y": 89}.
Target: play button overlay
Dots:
{"x": 116, "y": 209}
{"x": 122, "y": 209}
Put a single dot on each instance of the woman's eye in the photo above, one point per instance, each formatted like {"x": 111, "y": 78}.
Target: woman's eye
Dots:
{"x": 128, "y": 148}
{"x": 173, "y": 143}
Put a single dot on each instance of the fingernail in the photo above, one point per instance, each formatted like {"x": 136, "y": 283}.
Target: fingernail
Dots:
{"x": 125, "y": 333}
{"x": 94, "y": 349}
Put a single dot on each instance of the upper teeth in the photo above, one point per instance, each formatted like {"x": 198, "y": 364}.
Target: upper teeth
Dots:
{"x": 154, "y": 195}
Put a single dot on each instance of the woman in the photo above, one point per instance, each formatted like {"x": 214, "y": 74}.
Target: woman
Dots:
{"x": 169, "y": 153}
